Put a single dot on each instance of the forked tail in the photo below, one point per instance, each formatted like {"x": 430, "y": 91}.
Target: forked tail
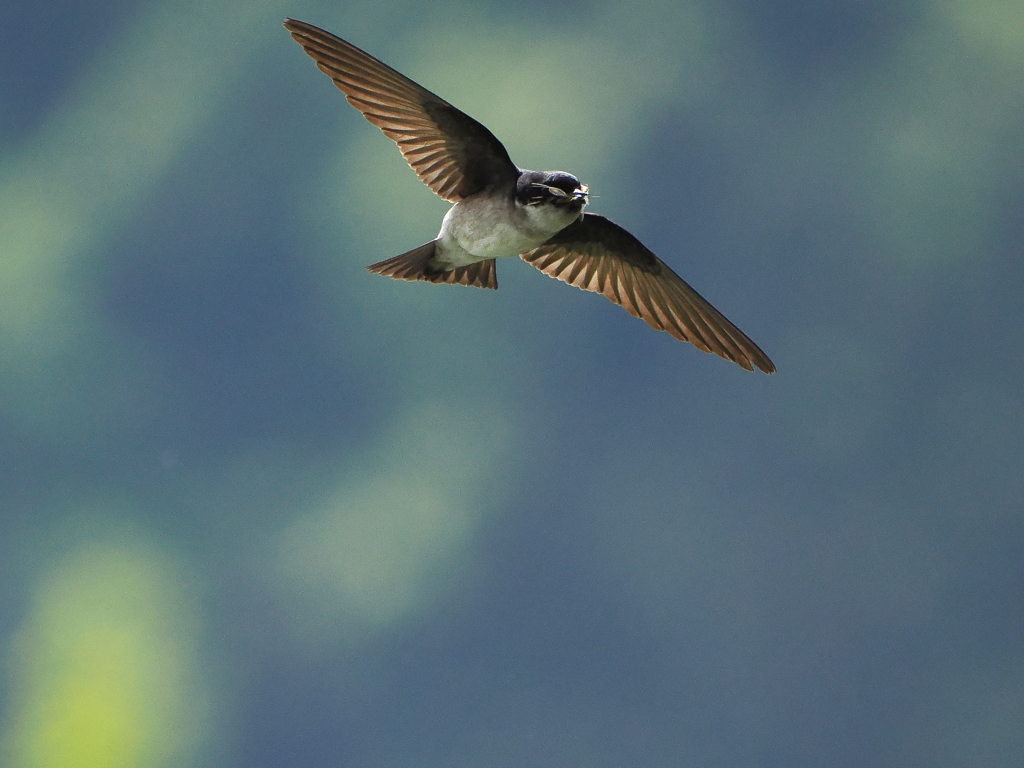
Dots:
{"x": 414, "y": 265}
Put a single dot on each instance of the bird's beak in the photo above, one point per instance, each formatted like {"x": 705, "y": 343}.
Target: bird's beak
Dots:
{"x": 581, "y": 192}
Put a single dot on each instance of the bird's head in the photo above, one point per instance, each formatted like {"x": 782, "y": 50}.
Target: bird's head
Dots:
{"x": 557, "y": 188}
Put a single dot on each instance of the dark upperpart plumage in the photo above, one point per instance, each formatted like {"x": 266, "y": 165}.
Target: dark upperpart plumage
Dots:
{"x": 460, "y": 160}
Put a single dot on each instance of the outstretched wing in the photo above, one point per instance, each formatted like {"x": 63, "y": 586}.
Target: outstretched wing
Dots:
{"x": 597, "y": 255}
{"x": 451, "y": 152}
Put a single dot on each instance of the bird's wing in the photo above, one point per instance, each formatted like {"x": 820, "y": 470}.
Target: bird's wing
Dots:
{"x": 451, "y": 152}
{"x": 597, "y": 255}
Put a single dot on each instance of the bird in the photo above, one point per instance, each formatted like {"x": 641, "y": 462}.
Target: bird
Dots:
{"x": 500, "y": 210}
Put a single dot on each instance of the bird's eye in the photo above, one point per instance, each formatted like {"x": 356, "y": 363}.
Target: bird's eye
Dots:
{"x": 538, "y": 194}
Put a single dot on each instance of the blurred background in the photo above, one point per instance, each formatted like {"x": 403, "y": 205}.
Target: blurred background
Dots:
{"x": 260, "y": 507}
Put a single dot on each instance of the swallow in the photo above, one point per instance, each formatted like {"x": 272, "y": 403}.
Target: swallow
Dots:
{"x": 501, "y": 210}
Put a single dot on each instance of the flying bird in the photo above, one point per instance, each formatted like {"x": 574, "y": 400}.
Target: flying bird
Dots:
{"x": 502, "y": 210}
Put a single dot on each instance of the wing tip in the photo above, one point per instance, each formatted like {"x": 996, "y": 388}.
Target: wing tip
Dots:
{"x": 751, "y": 358}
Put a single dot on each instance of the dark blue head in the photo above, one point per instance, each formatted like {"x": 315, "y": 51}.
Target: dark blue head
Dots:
{"x": 551, "y": 187}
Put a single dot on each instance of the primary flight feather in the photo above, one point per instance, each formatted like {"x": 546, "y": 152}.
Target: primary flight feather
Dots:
{"x": 501, "y": 210}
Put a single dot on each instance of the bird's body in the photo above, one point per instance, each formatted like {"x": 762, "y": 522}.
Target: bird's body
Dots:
{"x": 484, "y": 227}
{"x": 500, "y": 210}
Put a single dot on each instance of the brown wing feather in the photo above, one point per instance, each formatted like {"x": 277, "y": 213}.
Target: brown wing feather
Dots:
{"x": 451, "y": 152}
{"x": 596, "y": 255}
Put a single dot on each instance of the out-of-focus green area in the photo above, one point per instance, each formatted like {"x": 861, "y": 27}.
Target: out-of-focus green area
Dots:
{"x": 380, "y": 523}
{"x": 389, "y": 535}
{"x": 116, "y": 128}
{"x": 105, "y": 666}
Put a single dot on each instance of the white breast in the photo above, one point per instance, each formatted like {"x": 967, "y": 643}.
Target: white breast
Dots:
{"x": 476, "y": 229}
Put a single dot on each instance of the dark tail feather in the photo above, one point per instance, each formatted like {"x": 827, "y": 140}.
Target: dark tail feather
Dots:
{"x": 480, "y": 275}
{"x": 414, "y": 265}
{"x": 409, "y": 266}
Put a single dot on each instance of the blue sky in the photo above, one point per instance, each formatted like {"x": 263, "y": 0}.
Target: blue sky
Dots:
{"x": 261, "y": 507}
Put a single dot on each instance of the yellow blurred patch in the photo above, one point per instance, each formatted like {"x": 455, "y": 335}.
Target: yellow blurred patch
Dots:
{"x": 104, "y": 667}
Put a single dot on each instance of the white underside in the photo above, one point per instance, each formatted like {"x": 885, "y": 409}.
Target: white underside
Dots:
{"x": 476, "y": 229}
